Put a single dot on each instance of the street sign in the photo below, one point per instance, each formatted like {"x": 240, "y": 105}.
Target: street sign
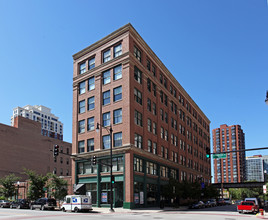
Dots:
{"x": 264, "y": 189}
{"x": 219, "y": 156}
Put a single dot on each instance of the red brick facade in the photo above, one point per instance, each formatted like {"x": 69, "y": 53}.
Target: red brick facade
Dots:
{"x": 23, "y": 146}
{"x": 182, "y": 145}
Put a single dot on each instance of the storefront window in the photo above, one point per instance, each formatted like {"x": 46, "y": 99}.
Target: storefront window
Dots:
{"x": 92, "y": 188}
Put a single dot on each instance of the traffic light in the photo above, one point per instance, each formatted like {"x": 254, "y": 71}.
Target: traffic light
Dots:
{"x": 207, "y": 152}
{"x": 56, "y": 150}
{"x": 112, "y": 179}
{"x": 94, "y": 160}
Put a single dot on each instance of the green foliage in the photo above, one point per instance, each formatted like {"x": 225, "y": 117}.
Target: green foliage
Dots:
{"x": 243, "y": 193}
{"x": 37, "y": 185}
{"x": 57, "y": 186}
{"x": 8, "y": 188}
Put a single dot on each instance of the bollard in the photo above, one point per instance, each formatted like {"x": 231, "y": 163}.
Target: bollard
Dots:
{"x": 261, "y": 211}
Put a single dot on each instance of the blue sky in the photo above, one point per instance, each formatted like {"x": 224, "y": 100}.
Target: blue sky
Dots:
{"x": 216, "y": 49}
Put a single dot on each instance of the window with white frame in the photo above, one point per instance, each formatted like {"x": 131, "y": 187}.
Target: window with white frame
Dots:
{"x": 138, "y": 141}
{"x": 81, "y": 126}
{"x": 118, "y": 116}
{"x": 106, "y": 97}
{"x": 106, "y": 77}
{"x": 106, "y": 144}
{"x": 118, "y": 93}
{"x": 81, "y": 146}
{"x": 91, "y": 63}
{"x": 90, "y": 124}
{"x": 106, "y": 119}
{"x": 82, "y": 67}
{"x": 82, "y": 87}
{"x": 82, "y": 106}
{"x": 137, "y": 75}
{"x": 118, "y": 139}
{"x": 91, "y": 103}
{"x": 91, "y": 83}
{"x": 117, "y": 50}
{"x": 106, "y": 55}
{"x": 90, "y": 144}
{"x": 118, "y": 72}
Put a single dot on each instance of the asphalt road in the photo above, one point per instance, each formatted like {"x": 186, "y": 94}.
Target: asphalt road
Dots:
{"x": 221, "y": 213}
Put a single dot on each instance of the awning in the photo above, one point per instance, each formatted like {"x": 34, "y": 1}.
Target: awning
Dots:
{"x": 78, "y": 186}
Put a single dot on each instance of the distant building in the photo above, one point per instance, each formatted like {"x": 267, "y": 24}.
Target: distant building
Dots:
{"x": 256, "y": 166}
{"x": 232, "y": 169}
{"x": 51, "y": 126}
{"x": 23, "y": 146}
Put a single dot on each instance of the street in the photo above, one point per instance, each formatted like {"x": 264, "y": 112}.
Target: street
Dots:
{"x": 220, "y": 212}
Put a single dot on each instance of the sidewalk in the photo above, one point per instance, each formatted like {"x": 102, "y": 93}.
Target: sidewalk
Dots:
{"x": 139, "y": 210}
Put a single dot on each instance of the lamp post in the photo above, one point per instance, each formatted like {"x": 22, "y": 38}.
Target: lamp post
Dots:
{"x": 110, "y": 130}
{"x": 18, "y": 185}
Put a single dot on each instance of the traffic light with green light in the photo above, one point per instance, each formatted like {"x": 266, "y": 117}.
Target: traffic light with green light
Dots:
{"x": 207, "y": 152}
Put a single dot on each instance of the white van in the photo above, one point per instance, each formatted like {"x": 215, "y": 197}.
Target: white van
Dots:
{"x": 77, "y": 203}
{"x": 255, "y": 200}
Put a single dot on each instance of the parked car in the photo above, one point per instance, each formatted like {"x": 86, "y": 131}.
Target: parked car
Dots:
{"x": 197, "y": 205}
{"x": 44, "y": 203}
{"x": 20, "y": 204}
{"x": 208, "y": 204}
{"x": 227, "y": 201}
{"x": 221, "y": 201}
{"x": 4, "y": 203}
{"x": 213, "y": 202}
{"x": 248, "y": 207}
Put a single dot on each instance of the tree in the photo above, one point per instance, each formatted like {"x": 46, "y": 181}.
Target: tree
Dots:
{"x": 37, "y": 185}
{"x": 57, "y": 186}
{"x": 8, "y": 188}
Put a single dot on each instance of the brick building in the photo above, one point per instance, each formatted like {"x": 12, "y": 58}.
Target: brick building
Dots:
{"x": 158, "y": 130}
{"x": 23, "y": 146}
{"x": 232, "y": 169}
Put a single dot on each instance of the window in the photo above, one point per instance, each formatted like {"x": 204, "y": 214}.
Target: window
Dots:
{"x": 106, "y": 98}
{"x": 138, "y": 164}
{"x": 106, "y": 144}
{"x": 149, "y": 108}
{"x": 165, "y": 82}
{"x": 161, "y": 96}
{"x": 166, "y": 135}
{"x": 150, "y": 146}
{"x": 161, "y": 78}
{"x": 106, "y": 56}
{"x": 148, "y": 65}
{"x": 154, "y": 108}
{"x": 161, "y": 114}
{"x": 118, "y": 116}
{"x": 138, "y": 141}
{"x": 137, "y": 53}
{"x": 91, "y": 63}
{"x": 138, "y": 96}
{"x": 153, "y": 70}
{"x": 166, "y": 100}
{"x": 90, "y": 145}
{"x": 162, "y": 133}
{"x": 82, "y": 68}
{"x": 118, "y": 72}
{"x": 81, "y": 146}
{"x": 118, "y": 93}
{"x": 138, "y": 118}
{"x": 82, "y": 106}
{"x": 154, "y": 89}
{"x": 137, "y": 75}
{"x": 82, "y": 87}
{"x": 118, "y": 139}
{"x": 166, "y": 117}
{"x": 91, "y": 83}
{"x": 154, "y": 128}
{"x": 117, "y": 50}
{"x": 149, "y": 84}
{"x": 91, "y": 103}
{"x": 106, "y": 119}
{"x": 81, "y": 126}
{"x": 149, "y": 125}
{"x": 106, "y": 78}
{"x": 154, "y": 148}
{"x": 90, "y": 124}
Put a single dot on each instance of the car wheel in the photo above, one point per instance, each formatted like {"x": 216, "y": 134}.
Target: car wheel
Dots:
{"x": 11, "y": 207}
{"x": 63, "y": 209}
{"x": 32, "y": 208}
{"x": 42, "y": 208}
{"x": 75, "y": 209}
{"x": 18, "y": 207}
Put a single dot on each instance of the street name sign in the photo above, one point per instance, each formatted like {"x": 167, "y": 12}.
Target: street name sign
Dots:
{"x": 219, "y": 156}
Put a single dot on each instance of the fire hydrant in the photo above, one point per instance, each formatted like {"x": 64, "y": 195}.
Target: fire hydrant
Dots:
{"x": 261, "y": 211}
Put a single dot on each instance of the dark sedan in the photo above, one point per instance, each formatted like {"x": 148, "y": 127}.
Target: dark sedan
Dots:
{"x": 198, "y": 205}
{"x": 20, "y": 204}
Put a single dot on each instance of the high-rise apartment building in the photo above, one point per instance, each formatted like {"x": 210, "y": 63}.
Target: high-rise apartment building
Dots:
{"x": 232, "y": 169}
{"x": 51, "y": 126}
{"x": 256, "y": 167}
{"x": 159, "y": 132}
